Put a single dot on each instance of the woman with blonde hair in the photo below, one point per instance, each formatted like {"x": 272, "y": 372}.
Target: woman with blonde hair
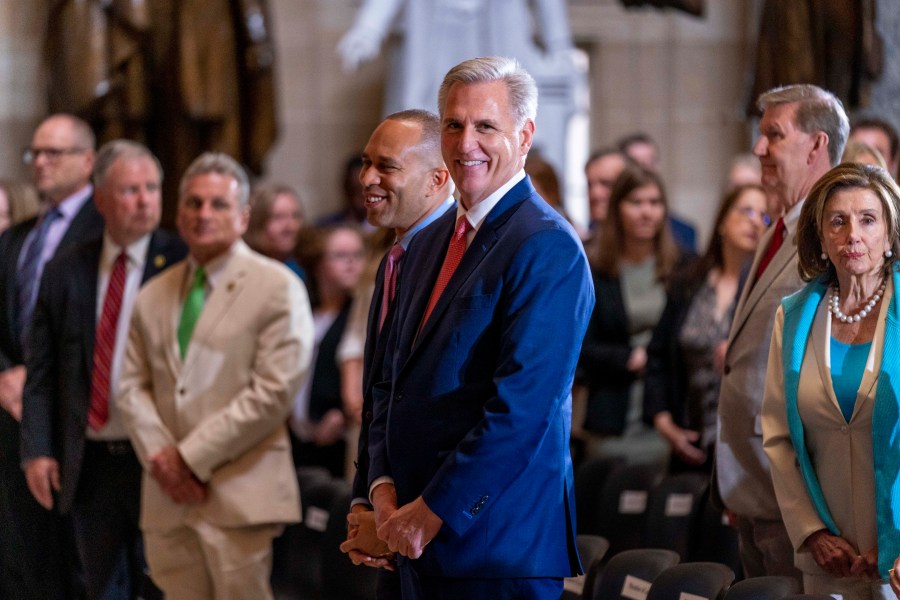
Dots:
{"x": 18, "y": 202}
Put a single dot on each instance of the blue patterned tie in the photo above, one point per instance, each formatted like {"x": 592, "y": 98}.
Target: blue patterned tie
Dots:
{"x": 29, "y": 276}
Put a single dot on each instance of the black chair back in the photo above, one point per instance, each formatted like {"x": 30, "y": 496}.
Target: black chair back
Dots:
{"x": 629, "y": 574}
{"x": 702, "y": 580}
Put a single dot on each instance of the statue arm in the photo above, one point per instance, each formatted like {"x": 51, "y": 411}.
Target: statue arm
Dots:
{"x": 554, "y": 23}
{"x": 362, "y": 41}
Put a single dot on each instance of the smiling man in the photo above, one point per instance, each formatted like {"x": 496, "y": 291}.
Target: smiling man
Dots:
{"x": 218, "y": 347}
{"x": 802, "y": 135}
{"x": 472, "y": 421}
{"x": 407, "y": 188}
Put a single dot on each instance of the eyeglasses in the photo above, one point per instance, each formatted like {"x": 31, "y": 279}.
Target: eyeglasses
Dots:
{"x": 345, "y": 256}
{"x": 752, "y": 213}
{"x": 29, "y": 155}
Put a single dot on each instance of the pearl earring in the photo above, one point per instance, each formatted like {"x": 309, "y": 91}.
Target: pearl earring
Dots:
{"x": 823, "y": 256}
{"x": 888, "y": 253}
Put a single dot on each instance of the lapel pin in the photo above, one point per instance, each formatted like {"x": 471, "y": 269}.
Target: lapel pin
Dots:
{"x": 159, "y": 261}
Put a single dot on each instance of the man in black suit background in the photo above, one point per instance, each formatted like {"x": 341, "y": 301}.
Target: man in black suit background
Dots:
{"x": 74, "y": 444}
{"x": 407, "y": 187}
{"x": 61, "y": 157}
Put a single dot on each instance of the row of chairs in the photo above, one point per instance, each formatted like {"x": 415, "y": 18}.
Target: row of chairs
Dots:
{"x": 639, "y": 506}
{"x": 659, "y": 574}
{"x": 307, "y": 561}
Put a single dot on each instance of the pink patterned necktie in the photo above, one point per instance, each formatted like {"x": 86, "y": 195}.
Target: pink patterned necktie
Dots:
{"x": 390, "y": 281}
{"x": 105, "y": 343}
{"x": 455, "y": 252}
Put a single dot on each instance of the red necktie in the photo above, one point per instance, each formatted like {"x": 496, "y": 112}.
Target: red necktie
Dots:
{"x": 455, "y": 252}
{"x": 105, "y": 343}
{"x": 774, "y": 245}
{"x": 390, "y": 281}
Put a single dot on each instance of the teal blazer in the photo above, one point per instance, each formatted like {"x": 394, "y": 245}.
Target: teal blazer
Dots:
{"x": 799, "y": 312}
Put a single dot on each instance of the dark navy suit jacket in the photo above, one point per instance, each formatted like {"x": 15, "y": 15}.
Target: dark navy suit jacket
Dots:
{"x": 58, "y": 388}
{"x": 476, "y": 415}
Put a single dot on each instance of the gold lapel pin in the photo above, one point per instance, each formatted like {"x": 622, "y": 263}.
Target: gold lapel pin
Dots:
{"x": 159, "y": 261}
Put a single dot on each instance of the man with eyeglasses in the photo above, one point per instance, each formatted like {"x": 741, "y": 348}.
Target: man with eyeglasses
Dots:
{"x": 61, "y": 157}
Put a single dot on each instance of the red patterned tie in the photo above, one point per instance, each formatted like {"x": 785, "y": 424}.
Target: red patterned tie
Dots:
{"x": 774, "y": 245}
{"x": 390, "y": 281}
{"x": 105, "y": 343}
{"x": 455, "y": 252}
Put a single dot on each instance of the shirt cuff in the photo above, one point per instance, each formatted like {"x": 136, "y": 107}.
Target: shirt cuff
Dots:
{"x": 376, "y": 483}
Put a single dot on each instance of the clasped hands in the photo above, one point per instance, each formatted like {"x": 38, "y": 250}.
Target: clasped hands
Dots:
{"x": 405, "y": 530}
{"x": 838, "y": 558}
{"x": 176, "y": 479}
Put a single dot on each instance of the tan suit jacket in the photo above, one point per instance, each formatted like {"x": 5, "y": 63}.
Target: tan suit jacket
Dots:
{"x": 841, "y": 452}
{"x": 225, "y": 406}
{"x": 742, "y": 469}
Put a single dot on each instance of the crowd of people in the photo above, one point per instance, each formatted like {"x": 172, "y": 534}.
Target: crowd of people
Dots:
{"x": 426, "y": 342}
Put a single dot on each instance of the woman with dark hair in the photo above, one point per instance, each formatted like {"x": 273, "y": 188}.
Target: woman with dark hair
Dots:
{"x": 681, "y": 389}
{"x": 334, "y": 257}
{"x": 831, "y": 408}
{"x": 631, "y": 265}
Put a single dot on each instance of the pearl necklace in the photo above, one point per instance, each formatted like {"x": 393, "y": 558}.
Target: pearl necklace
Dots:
{"x": 862, "y": 314}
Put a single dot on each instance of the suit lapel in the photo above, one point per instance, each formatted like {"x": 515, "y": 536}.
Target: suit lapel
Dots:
{"x": 753, "y": 292}
{"x": 156, "y": 259}
{"x": 373, "y": 339}
{"x": 85, "y": 283}
{"x": 228, "y": 286}
{"x": 488, "y": 235}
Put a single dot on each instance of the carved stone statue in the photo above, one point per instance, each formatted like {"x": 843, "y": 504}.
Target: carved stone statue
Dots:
{"x": 183, "y": 76}
{"x": 435, "y": 35}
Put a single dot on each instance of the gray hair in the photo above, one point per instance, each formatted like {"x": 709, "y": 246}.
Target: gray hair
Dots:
{"x": 817, "y": 110}
{"x": 523, "y": 93}
{"x": 113, "y": 150}
{"x": 222, "y": 164}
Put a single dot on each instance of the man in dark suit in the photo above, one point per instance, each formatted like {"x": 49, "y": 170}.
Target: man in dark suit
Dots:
{"x": 61, "y": 157}
{"x": 74, "y": 445}
{"x": 470, "y": 475}
{"x": 407, "y": 188}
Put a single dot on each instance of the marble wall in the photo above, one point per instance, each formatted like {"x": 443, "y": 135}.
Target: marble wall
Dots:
{"x": 679, "y": 78}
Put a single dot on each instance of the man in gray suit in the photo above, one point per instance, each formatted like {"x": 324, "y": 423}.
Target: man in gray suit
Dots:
{"x": 802, "y": 135}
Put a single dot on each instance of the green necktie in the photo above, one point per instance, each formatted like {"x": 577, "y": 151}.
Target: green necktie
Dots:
{"x": 193, "y": 306}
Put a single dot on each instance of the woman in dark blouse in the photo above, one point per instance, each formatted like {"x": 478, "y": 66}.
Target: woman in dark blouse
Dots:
{"x": 681, "y": 390}
{"x": 631, "y": 265}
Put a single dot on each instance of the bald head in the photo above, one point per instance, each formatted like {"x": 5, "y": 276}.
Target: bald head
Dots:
{"x": 61, "y": 156}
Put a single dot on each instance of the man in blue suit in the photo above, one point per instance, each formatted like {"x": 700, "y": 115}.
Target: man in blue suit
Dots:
{"x": 470, "y": 475}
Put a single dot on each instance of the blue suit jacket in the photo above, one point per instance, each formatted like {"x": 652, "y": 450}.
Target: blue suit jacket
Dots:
{"x": 476, "y": 415}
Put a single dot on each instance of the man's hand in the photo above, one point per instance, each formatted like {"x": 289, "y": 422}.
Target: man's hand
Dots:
{"x": 832, "y": 553}
{"x": 362, "y": 544}
{"x": 410, "y": 528}
{"x": 42, "y": 474}
{"x": 384, "y": 501}
{"x": 12, "y": 381}
{"x": 175, "y": 477}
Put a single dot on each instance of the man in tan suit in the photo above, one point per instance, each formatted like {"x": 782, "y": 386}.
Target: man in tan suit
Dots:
{"x": 802, "y": 135}
{"x": 218, "y": 347}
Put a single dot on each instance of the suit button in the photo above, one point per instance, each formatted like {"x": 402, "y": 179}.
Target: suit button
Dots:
{"x": 398, "y": 397}
{"x": 844, "y": 429}
{"x": 727, "y": 369}
{"x": 368, "y": 416}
